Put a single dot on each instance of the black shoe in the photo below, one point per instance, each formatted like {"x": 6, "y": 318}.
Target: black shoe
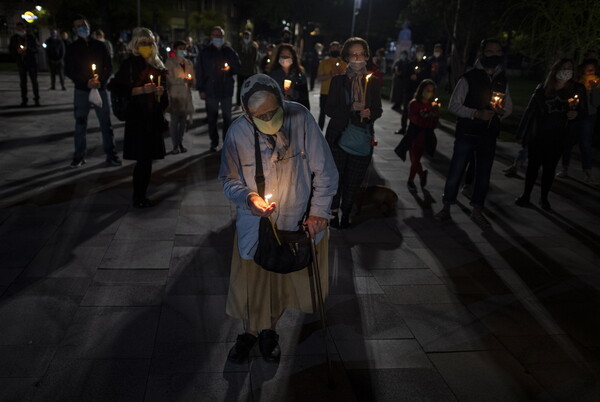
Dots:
{"x": 182, "y": 148}
{"x": 52, "y": 89}
{"x": 344, "y": 222}
{"x": 402, "y": 131}
{"x": 142, "y": 202}
{"x": 77, "y": 162}
{"x": 269, "y": 345}
{"x": 64, "y": 89}
{"x": 240, "y": 351}
{"x": 37, "y": 103}
{"x": 424, "y": 179}
{"x": 411, "y": 186}
{"x": 113, "y": 160}
{"x": 335, "y": 221}
{"x": 545, "y": 205}
{"x": 213, "y": 149}
{"x": 523, "y": 202}
{"x": 175, "y": 151}
{"x": 23, "y": 104}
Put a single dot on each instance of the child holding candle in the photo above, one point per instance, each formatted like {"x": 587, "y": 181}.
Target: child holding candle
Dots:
{"x": 181, "y": 79}
{"x": 145, "y": 123}
{"x": 423, "y": 114}
{"x": 544, "y": 126}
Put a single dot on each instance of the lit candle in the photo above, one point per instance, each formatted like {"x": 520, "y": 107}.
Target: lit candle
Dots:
{"x": 268, "y": 61}
{"x": 497, "y": 99}
{"x": 573, "y": 102}
{"x": 366, "y": 86}
{"x": 287, "y": 84}
{"x": 268, "y": 197}
{"x": 189, "y": 76}
{"x": 21, "y": 47}
{"x": 93, "y": 68}
{"x": 337, "y": 64}
{"x": 416, "y": 68}
{"x": 436, "y": 102}
{"x": 151, "y": 79}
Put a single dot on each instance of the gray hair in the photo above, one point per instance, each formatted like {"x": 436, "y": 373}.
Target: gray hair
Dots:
{"x": 257, "y": 99}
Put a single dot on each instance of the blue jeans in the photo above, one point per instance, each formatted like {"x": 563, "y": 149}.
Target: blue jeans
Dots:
{"x": 212, "y": 111}
{"x": 483, "y": 149}
{"x": 582, "y": 131}
{"x": 81, "y": 111}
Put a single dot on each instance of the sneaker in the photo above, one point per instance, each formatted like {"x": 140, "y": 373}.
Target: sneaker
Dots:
{"x": 424, "y": 179}
{"x": 268, "y": 343}
{"x": 240, "y": 351}
{"x": 443, "y": 215}
{"x": 77, "y": 162}
{"x": 480, "y": 220}
{"x": 467, "y": 191}
{"x": 523, "y": 202}
{"x": 113, "y": 160}
{"x": 411, "y": 186}
{"x": 563, "y": 173}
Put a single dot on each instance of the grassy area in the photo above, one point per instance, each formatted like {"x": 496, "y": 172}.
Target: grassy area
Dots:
{"x": 520, "y": 92}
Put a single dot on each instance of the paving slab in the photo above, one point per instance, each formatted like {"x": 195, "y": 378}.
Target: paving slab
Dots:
{"x": 142, "y": 254}
{"x": 382, "y": 354}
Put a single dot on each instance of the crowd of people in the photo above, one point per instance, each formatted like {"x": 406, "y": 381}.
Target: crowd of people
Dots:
{"x": 275, "y": 161}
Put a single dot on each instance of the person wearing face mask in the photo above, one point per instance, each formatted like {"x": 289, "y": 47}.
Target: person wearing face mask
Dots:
{"x": 99, "y": 35}
{"x": 329, "y": 68}
{"x": 477, "y": 127}
{"x": 300, "y": 175}
{"x": 287, "y": 71}
{"x": 439, "y": 65}
{"x": 351, "y": 101}
{"x": 248, "y": 51}
{"x": 216, "y": 65}
{"x": 23, "y": 46}
{"x": 141, "y": 78}
{"x": 81, "y": 56}
{"x": 181, "y": 78}
{"x": 55, "y": 54}
{"x": 583, "y": 129}
{"x": 417, "y": 70}
{"x": 552, "y": 111}
{"x": 424, "y": 116}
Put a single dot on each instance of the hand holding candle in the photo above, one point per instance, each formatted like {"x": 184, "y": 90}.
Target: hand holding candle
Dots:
{"x": 226, "y": 67}
{"x": 497, "y": 101}
{"x": 573, "y": 102}
{"x": 436, "y": 103}
{"x": 287, "y": 84}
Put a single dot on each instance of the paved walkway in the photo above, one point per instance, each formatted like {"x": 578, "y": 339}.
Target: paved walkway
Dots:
{"x": 99, "y": 301}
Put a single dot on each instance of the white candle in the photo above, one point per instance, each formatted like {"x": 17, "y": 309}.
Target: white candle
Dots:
{"x": 287, "y": 84}
{"x": 151, "y": 79}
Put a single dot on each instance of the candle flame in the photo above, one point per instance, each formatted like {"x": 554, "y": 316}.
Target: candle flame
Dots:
{"x": 189, "y": 75}
{"x": 93, "y": 67}
{"x": 337, "y": 64}
{"x": 576, "y": 96}
{"x": 151, "y": 77}
{"x": 436, "y": 99}
{"x": 368, "y": 76}
{"x": 226, "y": 64}
{"x": 268, "y": 197}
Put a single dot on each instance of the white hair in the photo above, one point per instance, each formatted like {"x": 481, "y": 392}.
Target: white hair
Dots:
{"x": 258, "y": 98}
{"x": 140, "y": 34}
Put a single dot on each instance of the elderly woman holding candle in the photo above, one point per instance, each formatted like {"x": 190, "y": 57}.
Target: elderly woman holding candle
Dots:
{"x": 553, "y": 108}
{"x": 300, "y": 175}
{"x": 140, "y": 78}
{"x": 289, "y": 74}
{"x": 181, "y": 78}
{"x": 354, "y": 99}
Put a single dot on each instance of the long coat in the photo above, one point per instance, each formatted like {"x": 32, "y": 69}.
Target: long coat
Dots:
{"x": 145, "y": 123}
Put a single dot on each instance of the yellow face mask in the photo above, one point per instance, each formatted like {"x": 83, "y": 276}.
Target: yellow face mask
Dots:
{"x": 272, "y": 126}
{"x": 145, "y": 51}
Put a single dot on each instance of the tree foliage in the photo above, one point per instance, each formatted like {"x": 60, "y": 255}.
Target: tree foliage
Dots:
{"x": 549, "y": 29}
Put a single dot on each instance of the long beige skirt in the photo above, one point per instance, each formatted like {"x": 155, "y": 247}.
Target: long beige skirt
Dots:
{"x": 259, "y": 296}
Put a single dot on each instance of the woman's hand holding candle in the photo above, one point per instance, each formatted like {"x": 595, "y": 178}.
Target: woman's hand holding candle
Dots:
{"x": 260, "y": 206}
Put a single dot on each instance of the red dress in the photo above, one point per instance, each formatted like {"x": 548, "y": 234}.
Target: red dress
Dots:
{"x": 423, "y": 116}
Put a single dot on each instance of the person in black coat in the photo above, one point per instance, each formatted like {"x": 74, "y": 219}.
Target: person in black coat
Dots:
{"x": 416, "y": 71}
{"x": 23, "y": 46}
{"x": 142, "y": 77}
{"x": 55, "y": 53}
{"x": 285, "y": 66}
{"x": 553, "y": 107}
{"x": 351, "y": 103}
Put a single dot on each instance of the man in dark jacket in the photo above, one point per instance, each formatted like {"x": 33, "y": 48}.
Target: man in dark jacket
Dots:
{"x": 82, "y": 56}
{"x": 248, "y": 52}
{"x": 479, "y": 99}
{"x": 55, "y": 53}
{"x": 216, "y": 65}
{"x": 23, "y": 46}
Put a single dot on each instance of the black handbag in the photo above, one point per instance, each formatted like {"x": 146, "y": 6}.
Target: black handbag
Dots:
{"x": 279, "y": 251}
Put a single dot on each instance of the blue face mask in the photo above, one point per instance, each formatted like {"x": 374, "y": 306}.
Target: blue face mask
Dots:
{"x": 83, "y": 32}
{"x": 53, "y": 35}
{"x": 218, "y": 41}
{"x": 181, "y": 53}
{"x": 246, "y": 41}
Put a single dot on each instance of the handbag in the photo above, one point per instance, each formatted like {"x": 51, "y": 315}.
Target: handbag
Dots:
{"x": 280, "y": 251}
{"x": 356, "y": 140}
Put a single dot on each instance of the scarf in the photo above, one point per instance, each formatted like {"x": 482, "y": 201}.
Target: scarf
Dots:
{"x": 356, "y": 83}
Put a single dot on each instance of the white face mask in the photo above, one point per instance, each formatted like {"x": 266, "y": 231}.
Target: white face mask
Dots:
{"x": 285, "y": 62}
{"x": 357, "y": 64}
{"x": 437, "y": 54}
{"x": 564, "y": 75}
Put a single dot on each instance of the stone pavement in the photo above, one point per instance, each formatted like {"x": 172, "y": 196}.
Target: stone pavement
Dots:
{"x": 99, "y": 301}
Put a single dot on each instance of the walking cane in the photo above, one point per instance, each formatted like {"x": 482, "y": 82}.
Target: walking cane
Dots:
{"x": 316, "y": 272}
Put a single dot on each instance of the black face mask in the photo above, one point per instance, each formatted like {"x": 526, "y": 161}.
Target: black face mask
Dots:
{"x": 334, "y": 53}
{"x": 490, "y": 61}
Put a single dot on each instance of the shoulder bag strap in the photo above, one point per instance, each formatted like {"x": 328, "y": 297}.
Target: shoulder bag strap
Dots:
{"x": 259, "y": 176}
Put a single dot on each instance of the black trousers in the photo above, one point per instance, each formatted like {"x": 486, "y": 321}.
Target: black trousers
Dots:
{"x": 544, "y": 154}
{"x": 141, "y": 177}
{"x": 56, "y": 69}
{"x": 322, "y": 103}
{"x": 32, "y": 72}
{"x": 351, "y": 170}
